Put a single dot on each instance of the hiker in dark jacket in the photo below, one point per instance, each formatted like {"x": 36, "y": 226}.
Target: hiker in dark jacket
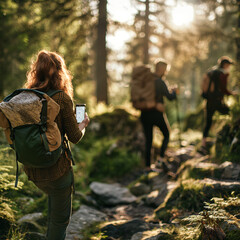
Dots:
{"x": 216, "y": 90}
{"x": 156, "y": 116}
{"x": 49, "y": 72}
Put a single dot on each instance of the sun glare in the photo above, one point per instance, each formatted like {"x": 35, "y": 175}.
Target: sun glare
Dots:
{"x": 182, "y": 15}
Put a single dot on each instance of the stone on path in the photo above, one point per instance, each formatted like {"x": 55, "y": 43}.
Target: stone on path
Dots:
{"x": 206, "y": 165}
{"x": 81, "y": 219}
{"x": 31, "y": 217}
{"x": 221, "y": 185}
{"x": 111, "y": 194}
{"x": 125, "y": 230}
{"x": 157, "y": 197}
{"x": 176, "y": 158}
{"x": 202, "y": 167}
{"x": 34, "y": 236}
{"x": 128, "y": 212}
{"x": 32, "y": 222}
{"x": 139, "y": 189}
{"x": 231, "y": 170}
{"x": 151, "y": 235}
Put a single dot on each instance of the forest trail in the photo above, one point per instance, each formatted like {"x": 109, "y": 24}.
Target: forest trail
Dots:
{"x": 127, "y": 208}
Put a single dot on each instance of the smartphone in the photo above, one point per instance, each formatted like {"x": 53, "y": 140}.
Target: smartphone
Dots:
{"x": 80, "y": 112}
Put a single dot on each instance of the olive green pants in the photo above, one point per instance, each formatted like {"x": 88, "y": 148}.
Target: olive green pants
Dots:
{"x": 59, "y": 205}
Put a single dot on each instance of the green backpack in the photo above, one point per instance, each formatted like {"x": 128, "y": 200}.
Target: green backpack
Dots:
{"x": 28, "y": 117}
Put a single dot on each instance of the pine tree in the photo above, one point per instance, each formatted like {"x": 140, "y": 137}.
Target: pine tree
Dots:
{"x": 101, "y": 54}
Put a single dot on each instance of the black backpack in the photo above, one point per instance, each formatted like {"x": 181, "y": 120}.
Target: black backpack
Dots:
{"x": 211, "y": 77}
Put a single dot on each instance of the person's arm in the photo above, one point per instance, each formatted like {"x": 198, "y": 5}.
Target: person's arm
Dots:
{"x": 170, "y": 95}
{"x": 73, "y": 130}
{"x": 223, "y": 84}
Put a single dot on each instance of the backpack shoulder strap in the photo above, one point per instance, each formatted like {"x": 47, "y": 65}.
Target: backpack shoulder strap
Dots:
{"x": 210, "y": 76}
{"x": 16, "y": 92}
{"x": 51, "y": 92}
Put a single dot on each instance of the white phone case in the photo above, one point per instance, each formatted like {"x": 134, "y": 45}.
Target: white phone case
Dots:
{"x": 80, "y": 113}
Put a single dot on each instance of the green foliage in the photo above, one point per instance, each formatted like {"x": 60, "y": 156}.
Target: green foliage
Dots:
{"x": 189, "y": 196}
{"x": 227, "y": 144}
{"x": 235, "y": 109}
{"x": 115, "y": 123}
{"x": 39, "y": 204}
{"x": 232, "y": 235}
{"x": 15, "y": 234}
{"x": 93, "y": 232}
{"x": 195, "y": 120}
{"x": 6, "y": 185}
{"x": 28, "y": 26}
{"x": 113, "y": 163}
{"x": 7, "y": 205}
{"x": 210, "y": 221}
{"x": 211, "y": 216}
{"x": 201, "y": 173}
{"x": 107, "y": 149}
{"x": 15, "y": 202}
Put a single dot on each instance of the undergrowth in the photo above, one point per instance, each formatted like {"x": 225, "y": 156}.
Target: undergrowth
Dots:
{"x": 213, "y": 222}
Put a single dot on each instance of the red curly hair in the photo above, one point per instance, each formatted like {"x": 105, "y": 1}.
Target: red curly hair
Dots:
{"x": 49, "y": 71}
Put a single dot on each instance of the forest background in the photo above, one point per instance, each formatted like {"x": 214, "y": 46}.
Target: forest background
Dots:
{"x": 101, "y": 41}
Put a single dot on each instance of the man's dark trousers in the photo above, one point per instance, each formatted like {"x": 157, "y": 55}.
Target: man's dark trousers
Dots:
{"x": 150, "y": 118}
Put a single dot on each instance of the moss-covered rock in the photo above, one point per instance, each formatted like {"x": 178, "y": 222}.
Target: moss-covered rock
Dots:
{"x": 194, "y": 120}
{"x": 228, "y": 143}
{"x": 116, "y": 123}
{"x": 197, "y": 169}
{"x": 191, "y": 194}
{"x": 156, "y": 234}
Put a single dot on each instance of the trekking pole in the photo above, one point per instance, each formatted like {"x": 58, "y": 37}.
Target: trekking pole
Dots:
{"x": 179, "y": 124}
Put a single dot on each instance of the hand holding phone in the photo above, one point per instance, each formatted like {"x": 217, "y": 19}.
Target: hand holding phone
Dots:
{"x": 80, "y": 112}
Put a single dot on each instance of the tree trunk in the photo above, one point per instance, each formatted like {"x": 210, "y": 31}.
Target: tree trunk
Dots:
{"x": 101, "y": 54}
{"x": 1, "y": 89}
{"x": 146, "y": 37}
{"x": 238, "y": 33}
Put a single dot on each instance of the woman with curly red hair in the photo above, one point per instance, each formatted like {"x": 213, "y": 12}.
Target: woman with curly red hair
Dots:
{"x": 47, "y": 73}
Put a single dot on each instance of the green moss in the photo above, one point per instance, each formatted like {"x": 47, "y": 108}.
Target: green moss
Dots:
{"x": 113, "y": 163}
{"x": 93, "y": 232}
{"x": 144, "y": 178}
{"x": 7, "y": 204}
{"x": 116, "y": 123}
{"x": 233, "y": 235}
{"x": 38, "y": 205}
{"x": 189, "y": 196}
{"x": 195, "y": 120}
{"x": 163, "y": 214}
{"x": 225, "y": 149}
{"x": 201, "y": 173}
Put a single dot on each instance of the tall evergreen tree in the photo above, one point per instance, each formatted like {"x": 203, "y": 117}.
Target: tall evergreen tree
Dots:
{"x": 101, "y": 54}
{"x": 238, "y": 34}
{"x": 146, "y": 34}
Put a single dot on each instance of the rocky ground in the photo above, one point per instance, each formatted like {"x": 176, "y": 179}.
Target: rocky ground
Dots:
{"x": 160, "y": 205}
